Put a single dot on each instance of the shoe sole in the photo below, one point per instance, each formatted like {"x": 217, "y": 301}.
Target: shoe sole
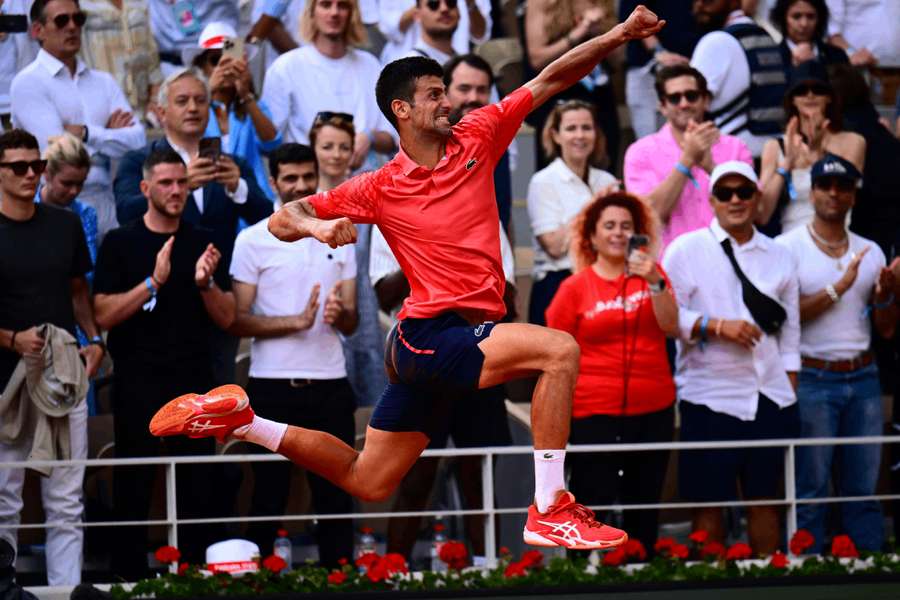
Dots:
{"x": 533, "y": 538}
{"x": 174, "y": 416}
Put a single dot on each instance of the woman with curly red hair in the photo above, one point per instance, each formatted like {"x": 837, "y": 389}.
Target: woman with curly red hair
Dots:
{"x": 620, "y": 308}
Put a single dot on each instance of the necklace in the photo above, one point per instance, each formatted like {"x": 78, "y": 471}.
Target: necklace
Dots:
{"x": 832, "y": 246}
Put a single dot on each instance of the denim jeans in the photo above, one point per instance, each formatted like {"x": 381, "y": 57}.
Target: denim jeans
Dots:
{"x": 840, "y": 405}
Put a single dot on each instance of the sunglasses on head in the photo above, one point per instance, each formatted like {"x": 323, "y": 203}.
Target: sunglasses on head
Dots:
{"x": 434, "y": 5}
{"x": 725, "y": 193}
{"x": 327, "y": 115}
{"x": 842, "y": 184}
{"x": 691, "y": 96}
{"x": 819, "y": 89}
{"x": 20, "y": 167}
{"x": 78, "y": 18}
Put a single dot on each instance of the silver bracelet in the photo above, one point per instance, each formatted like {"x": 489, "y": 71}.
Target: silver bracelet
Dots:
{"x": 832, "y": 293}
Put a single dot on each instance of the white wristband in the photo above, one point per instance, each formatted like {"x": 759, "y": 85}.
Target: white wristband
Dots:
{"x": 832, "y": 293}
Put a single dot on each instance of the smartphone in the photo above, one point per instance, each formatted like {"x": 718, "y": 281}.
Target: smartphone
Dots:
{"x": 211, "y": 147}
{"x": 638, "y": 241}
{"x": 13, "y": 23}
{"x": 233, "y": 47}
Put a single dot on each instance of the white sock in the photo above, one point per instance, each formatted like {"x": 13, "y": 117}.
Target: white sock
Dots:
{"x": 263, "y": 432}
{"x": 549, "y": 477}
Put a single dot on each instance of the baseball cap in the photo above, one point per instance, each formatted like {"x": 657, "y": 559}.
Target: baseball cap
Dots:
{"x": 234, "y": 556}
{"x": 832, "y": 165}
{"x": 212, "y": 37}
{"x": 733, "y": 167}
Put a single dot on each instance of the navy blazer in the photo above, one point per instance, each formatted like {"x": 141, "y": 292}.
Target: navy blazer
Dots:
{"x": 220, "y": 213}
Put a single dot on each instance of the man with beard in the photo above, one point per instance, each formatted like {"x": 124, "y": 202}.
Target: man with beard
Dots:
{"x": 670, "y": 168}
{"x": 434, "y": 203}
{"x": 159, "y": 287}
{"x": 744, "y": 71}
{"x": 294, "y": 300}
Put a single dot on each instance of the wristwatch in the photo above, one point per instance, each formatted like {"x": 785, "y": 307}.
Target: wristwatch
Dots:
{"x": 97, "y": 341}
{"x": 657, "y": 288}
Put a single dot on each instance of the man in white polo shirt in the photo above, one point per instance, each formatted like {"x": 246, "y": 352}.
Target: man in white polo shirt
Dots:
{"x": 843, "y": 280}
{"x": 294, "y": 299}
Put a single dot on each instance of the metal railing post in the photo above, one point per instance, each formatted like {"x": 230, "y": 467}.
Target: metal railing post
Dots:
{"x": 790, "y": 490}
{"x": 490, "y": 519}
{"x": 172, "y": 510}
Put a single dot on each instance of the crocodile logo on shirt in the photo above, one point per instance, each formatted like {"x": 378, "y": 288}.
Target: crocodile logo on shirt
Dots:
{"x": 472, "y": 162}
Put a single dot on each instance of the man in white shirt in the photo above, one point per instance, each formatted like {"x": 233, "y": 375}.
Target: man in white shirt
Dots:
{"x": 58, "y": 93}
{"x": 744, "y": 72}
{"x": 177, "y": 25}
{"x": 398, "y": 22}
{"x": 17, "y": 49}
{"x": 842, "y": 279}
{"x": 294, "y": 299}
{"x": 734, "y": 381}
{"x": 329, "y": 74}
{"x": 437, "y": 22}
{"x": 867, "y": 30}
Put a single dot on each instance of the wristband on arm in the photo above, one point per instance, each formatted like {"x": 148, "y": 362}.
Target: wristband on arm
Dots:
{"x": 687, "y": 173}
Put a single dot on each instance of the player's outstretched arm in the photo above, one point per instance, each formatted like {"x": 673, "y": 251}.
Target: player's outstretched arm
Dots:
{"x": 297, "y": 220}
{"x": 578, "y": 62}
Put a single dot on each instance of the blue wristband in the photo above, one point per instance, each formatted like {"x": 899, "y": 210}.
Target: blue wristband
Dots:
{"x": 704, "y": 322}
{"x": 149, "y": 283}
{"x": 687, "y": 173}
{"x": 788, "y": 181}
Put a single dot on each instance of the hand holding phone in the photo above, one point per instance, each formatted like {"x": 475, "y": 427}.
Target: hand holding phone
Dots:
{"x": 637, "y": 241}
{"x": 210, "y": 147}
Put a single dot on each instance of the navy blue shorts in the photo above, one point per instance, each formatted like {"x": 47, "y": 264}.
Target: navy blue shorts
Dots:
{"x": 425, "y": 358}
{"x": 713, "y": 475}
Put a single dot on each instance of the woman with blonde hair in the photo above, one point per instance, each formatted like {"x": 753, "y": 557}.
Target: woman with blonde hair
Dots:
{"x": 331, "y": 138}
{"x": 619, "y": 308}
{"x": 556, "y": 194}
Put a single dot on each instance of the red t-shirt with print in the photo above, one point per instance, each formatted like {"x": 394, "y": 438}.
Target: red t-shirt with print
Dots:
{"x": 620, "y": 342}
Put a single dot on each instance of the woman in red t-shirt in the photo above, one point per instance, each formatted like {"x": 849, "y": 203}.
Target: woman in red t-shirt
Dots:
{"x": 620, "y": 309}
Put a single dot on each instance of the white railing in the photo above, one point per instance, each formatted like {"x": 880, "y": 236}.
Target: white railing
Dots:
{"x": 790, "y": 499}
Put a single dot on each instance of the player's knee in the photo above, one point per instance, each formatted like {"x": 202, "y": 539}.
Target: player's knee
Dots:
{"x": 563, "y": 352}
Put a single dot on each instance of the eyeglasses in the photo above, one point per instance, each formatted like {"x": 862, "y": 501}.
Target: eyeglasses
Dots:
{"x": 724, "y": 193}
{"x": 20, "y": 167}
{"x": 78, "y": 18}
{"x": 327, "y": 115}
{"x": 828, "y": 182}
{"x": 691, "y": 96}
{"x": 819, "y": 89}
{"x": 434, "y": 5}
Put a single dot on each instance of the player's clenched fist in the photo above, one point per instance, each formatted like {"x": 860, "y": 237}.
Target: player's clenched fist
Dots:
{"x": 641, "y": 23}
{"x": 337, "y": 232}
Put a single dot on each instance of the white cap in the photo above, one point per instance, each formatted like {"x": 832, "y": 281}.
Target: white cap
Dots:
{"x": 233, "y": 556}
{"x": 733, "y": 167}
{"x": 212, "y": 37}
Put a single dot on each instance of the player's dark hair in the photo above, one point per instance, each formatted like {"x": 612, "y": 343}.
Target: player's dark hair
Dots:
{"x": 15, "y": 139}
{"x": 778, "y": 16}
{"x": 473, "y": 60}
{"x": 37, "y": 12}
{"x": 398, "y": 82}
{"x": 291, "y": 154}
{"x": 160, "y": 156}
{"x": 671, "y": 72}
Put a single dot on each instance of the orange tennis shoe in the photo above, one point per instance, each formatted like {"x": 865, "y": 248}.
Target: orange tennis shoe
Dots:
{"x": 215, "y": 414}
{"x": 570, "y": 525}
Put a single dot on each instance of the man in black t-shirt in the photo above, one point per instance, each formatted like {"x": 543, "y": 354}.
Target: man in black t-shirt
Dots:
{"x": 159, "y": 288}
{"x": 43, "y": 262}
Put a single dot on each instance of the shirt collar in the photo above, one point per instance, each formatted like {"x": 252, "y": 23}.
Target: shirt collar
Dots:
{"x": 53, "y": 65}
{"x": 792, "y": 46}
{"x": 568, "y": 175}
{"x": 720, "y": 234}
{"x": 184, "y": 154}
{"x": 431, "y": 52}
{"x": 737, "y": 16}
{"x": 408, "y": 165}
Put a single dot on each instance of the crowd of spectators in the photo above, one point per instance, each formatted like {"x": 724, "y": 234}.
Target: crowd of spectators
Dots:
{"x": 736, "y": 259}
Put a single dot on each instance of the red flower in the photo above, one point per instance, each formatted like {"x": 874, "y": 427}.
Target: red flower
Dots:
{"x": 365, "y": 529}
{"x": 713, "y": 549}
{"x": 843, "y": 547}
{"x": 438, "y": 527}
{"x": 282, "y": 533}
{"x": 454, "y": 554}
{"x": 379, "y": 568}
{"x": 342, "y": 561}
{"x": 515, "y": 569}
{"x": 635, "y": 549}
{"x": 182, "y": 568}
{"x": 779, "y": 561}
{"x": 738, "y": 551}
{"x": 615, "y": 558}
{"x": 699, "y": 537}
{"x": 395, "y": 563}
{"x": 801, "y": 541}
{"x": 664, "y": 544}
{"x": 504, "y": 551}
{"x": 168, "y": 554}
{"x": 680, "y": 551}
{"x": 532, "y": 558}
{"x": 337, "y": 577}
{"x": 274, "y": 563}
{"x": 367, "y": 560}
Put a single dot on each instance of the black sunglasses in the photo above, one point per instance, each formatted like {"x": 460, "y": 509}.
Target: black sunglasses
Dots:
{"x": 79, "y": 18}
{"x": 724, "y": 193}
{"x": 828, "y": 182}
{"x": 691, "y": 96}
{"x": 20, "y": 167}
{"x": 327, "y": 115}
{"x": 434, "y": 5}
{"x": 819, "y": 89}
{"x": 213, "y": 57}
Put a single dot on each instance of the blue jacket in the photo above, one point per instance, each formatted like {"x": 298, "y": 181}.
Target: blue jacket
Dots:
{"x": 220, "y": 213}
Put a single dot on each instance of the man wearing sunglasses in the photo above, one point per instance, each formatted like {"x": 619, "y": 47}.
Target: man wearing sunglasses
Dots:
{"x": 843, "y": 281}
{"x": 58, "y": 93}
{"x": 400, "y": 22}
{"x": 670, "y": 168}
{"x": 43, "y": 262}
{"x": 734, "y": 381}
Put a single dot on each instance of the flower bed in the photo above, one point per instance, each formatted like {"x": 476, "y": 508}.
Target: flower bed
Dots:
{"x": 702, "y": 562}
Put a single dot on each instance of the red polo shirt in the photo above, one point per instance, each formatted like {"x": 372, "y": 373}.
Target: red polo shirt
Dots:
{"x": 441, "y": 223}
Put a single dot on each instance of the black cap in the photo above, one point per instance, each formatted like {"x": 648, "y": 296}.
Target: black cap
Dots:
{"x": 811, "y": 71}
{"x": 832, "y": 165}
